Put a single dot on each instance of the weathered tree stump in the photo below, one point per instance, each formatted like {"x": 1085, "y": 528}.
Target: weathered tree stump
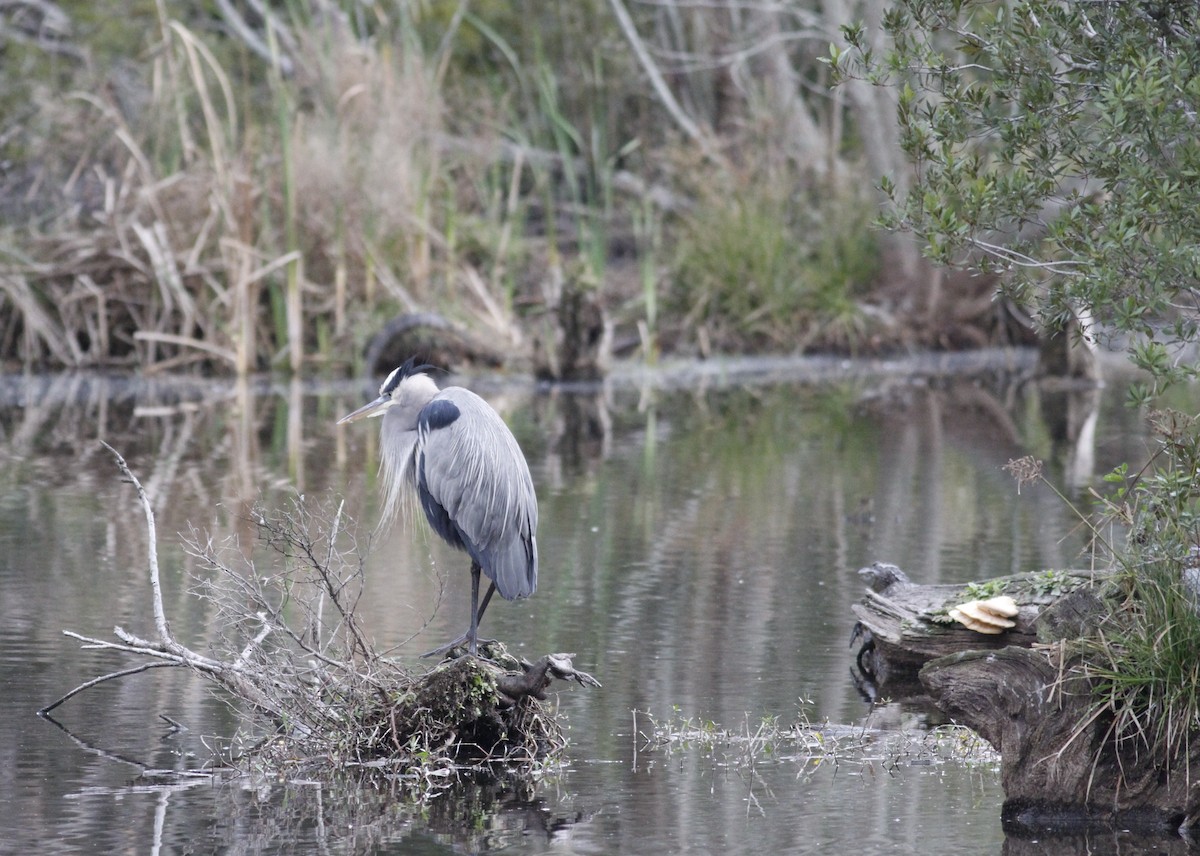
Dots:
{"x": 574, "y": 339}
{"x": 1059, "y": 765}
{"x": 1025, "y": 690}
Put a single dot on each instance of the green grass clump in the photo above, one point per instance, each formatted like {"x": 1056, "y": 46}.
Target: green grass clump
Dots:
{"x": 759, "y": 265}
{"x": 1146, "y": 670}
{"x": 1144, "y": 660}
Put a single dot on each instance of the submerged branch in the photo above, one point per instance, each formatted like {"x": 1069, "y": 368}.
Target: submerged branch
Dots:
{"x": 87, "y": 685}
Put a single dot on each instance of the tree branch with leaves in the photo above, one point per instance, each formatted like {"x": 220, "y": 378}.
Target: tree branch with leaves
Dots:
{"x": 1056, "y": 145}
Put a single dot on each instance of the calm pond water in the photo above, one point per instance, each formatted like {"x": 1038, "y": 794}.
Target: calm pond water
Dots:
{"x": 700, "y": 532}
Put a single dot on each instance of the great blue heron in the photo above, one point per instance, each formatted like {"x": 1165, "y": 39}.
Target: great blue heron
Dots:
{"x": 470, "y": 476}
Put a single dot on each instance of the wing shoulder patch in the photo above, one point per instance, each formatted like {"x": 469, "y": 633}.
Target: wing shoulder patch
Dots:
{"x": 437, "y": 414}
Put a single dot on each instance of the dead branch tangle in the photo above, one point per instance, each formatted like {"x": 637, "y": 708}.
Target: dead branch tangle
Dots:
{"x": 312, "y": 690}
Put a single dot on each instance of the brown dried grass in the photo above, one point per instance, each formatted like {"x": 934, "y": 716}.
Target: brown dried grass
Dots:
{"x": 189, "y": 231}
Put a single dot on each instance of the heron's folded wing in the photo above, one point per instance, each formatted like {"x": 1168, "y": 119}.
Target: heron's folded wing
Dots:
{"x": 472, "y": 468}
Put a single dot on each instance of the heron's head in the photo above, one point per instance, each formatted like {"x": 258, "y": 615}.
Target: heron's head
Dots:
{"x": 407, "y": 386}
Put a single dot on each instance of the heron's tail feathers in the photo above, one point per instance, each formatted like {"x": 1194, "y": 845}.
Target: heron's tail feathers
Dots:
{"x": 513, "y": 566}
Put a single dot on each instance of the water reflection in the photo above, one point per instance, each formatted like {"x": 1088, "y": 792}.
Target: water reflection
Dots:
{"x": 1120, "y": 842}
{"x": 699, "y": 542}
{"x": 259, "y": 815}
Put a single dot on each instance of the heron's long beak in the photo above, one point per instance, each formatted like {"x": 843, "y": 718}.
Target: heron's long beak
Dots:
{"x": 378, "y": 407}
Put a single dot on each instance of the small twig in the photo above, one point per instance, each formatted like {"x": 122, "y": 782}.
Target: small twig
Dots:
{"x": 334, "y": 587}
{"x": 137, "y": 645}
{"x": 176, "y": 725}
{"x": 129, "y": 644}
{"x": 329, "y": 553}
{"x": 89, "y": 684}
{"x": 248, "y": 651}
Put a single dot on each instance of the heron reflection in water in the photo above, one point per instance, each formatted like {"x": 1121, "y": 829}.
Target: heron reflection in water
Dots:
{"x": 470, "y": 476}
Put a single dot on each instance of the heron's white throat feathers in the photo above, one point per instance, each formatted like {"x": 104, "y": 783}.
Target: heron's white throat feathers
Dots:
{"x": 407, "y": 394}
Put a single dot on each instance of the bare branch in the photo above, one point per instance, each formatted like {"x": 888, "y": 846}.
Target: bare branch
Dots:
{"x": 248, "y": 651}
{"x": 87, "y": 685}
{"x": 160, "y": 616}
{"x": 1007, "y": 254}
{"x": 661, "y": 89}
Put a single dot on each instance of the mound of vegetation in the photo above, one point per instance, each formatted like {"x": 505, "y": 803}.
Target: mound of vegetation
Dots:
{"x": 313, "y": 692}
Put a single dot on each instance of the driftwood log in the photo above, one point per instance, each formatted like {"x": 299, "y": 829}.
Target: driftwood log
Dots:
{"x": 432, "y": 336}
{"x": 1024, "y": 692}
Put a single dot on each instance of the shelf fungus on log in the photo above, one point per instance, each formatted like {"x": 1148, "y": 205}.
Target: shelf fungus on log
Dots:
{"x": 991, "y": 616}
{"x": 903, "y": 625}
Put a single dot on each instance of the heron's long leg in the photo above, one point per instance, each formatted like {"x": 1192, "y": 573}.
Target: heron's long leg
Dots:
{"x": 487, "y": 597}
{"x": 473, "y": 631}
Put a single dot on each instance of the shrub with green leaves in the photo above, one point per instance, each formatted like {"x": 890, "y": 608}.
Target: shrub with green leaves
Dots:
{"x": 1056, "y": 143}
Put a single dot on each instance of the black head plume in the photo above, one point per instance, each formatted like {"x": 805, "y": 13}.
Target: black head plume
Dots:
{"x": 408, "y": 369}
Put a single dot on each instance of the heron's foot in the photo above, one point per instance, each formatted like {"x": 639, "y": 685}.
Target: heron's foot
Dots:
{"x": 460, "y": 642}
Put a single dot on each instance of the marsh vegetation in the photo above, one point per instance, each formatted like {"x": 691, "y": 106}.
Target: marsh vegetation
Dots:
{"x": 244, "y": 188}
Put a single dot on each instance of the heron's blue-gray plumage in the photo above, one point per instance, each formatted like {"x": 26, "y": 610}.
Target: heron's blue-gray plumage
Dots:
{"x": 470, "y": 476}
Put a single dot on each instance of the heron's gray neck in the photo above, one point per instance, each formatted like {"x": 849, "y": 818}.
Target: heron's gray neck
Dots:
{"x": 414, "y": 393}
